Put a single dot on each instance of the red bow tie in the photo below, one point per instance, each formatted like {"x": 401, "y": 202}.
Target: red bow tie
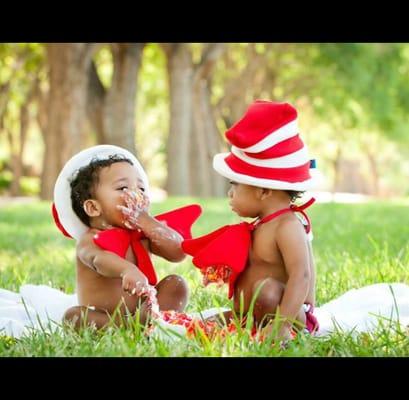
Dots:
{"x": 230, "y": 244}
{"x": 118, "y": 240}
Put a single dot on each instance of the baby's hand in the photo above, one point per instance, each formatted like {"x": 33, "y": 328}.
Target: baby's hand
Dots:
{"x": 282, "y": 337}
{"x": 136, "y": 203}
{"x": 134, "y": 282}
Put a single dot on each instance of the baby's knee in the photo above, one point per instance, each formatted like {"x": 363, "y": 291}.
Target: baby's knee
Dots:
{"x": 173, "y": 293}
{"x": 268, "y": 298}
{"x": 176, "y": 284}
{"x": 73, "y": 315}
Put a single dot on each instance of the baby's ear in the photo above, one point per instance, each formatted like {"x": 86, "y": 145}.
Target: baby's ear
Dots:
{"x": 92, "y": 208}
{"x": 265, "y": 193}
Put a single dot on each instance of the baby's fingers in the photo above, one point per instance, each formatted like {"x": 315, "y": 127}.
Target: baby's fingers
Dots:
{"x": 137, "y": 289}
{"x": 130, "y": 289}
{"x": 128, "y": 225}
{"x": 129, "y": 196}
{"x": 125, "y": 210}
{"x": 132, "y": 220}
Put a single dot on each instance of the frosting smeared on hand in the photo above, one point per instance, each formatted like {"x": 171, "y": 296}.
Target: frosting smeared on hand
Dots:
{"x": 136, "y": 202}
{"x": 163, "y": 232}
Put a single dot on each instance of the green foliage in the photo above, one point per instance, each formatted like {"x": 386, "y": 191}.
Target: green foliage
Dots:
{"x": 104, "y": 63}
{"x": 21, "y": 64}
{"x": 374, "y": 75}
{"x": 6, "y": 178}
{"x": 30, "y": 185}
{"x": 22, "y": 68}
{"x": 352, "y": 96}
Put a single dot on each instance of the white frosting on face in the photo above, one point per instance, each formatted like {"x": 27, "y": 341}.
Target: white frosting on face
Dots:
{"x": 136, "y": 201}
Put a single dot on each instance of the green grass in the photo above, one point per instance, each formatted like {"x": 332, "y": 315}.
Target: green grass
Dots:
{"x": 354, "y": 245}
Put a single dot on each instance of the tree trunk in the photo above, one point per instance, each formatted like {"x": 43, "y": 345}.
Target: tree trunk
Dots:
{"x": 208, "y": 142}
{"x": 111, "y": 112}
{"x": 14, "y": 188}
{"x": 17, "y": 154}
{"x": 95, "y": 104}
{"x": 374, "y": 172}
{"x": 4, "y": 88}
{"x": 64, "y": 134}
{"x": 337, "y": 170}
{"x": 180, "y": 72}
{"x": 233, "y": 104}
{"x": 16, "y": 169}
{"x": 120, "y": 101}
{"x": 193, "y": 138}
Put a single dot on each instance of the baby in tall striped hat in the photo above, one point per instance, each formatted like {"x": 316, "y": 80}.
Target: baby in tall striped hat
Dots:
{"x": 269, "y": 259}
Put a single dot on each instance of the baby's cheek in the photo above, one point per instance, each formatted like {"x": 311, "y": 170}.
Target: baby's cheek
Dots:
{"x": 118, "y": 216}
{"x": 121, "y": 201}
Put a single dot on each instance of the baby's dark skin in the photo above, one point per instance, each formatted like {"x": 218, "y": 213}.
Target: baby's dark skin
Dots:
{"x": 280, "y": 260}
{"x": 107, "y": 283}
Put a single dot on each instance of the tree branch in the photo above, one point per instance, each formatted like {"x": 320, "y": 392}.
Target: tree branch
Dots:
{"x": 210, "y": 54}
{"x": 169, "y": 48}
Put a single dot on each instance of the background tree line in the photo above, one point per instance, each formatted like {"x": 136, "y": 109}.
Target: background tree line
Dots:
{"x": 170, "y": 104}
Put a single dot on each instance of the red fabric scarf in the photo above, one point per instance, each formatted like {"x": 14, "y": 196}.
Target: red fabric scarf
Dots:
{"x": 230, "y": 244}
{"x": 118, "y": 240}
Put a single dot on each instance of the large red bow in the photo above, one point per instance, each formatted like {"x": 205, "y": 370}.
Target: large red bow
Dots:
{"x": 229, "y": 245}
{"x": 118, "y": 240}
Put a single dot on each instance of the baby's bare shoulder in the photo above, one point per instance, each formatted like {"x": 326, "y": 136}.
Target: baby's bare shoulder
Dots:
{"x": 289, "y": 227}
{"x": 284, "y": 222}
{"x": 267, "y": 232}
{"x": 87, "y": 238}
{"x": 289, "y": 220}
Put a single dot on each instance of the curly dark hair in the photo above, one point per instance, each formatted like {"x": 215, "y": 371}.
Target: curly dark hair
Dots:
{"x": 84, "y": 181}
{"x": 294, "y": 194}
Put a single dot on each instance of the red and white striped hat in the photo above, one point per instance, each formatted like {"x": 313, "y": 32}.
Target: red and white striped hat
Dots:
{"x": 267, "y": 150}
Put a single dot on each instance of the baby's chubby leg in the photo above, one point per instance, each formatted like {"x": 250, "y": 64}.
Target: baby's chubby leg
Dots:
{"x": 81, "y": 316}
{"x": 268, "y": 299}
{"x": 270, "y": 293}
{"x": 173, "y": 293}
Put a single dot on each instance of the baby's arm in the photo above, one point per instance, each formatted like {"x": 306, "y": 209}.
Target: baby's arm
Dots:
{"x": 110, "y": 265}
{"x": 294, "y": 250}
{"x": 311, "y": 292}
{"x": 163, "y": 240}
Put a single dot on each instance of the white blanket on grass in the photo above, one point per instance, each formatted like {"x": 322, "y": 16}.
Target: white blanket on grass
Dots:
{"x": 40, "y": 307}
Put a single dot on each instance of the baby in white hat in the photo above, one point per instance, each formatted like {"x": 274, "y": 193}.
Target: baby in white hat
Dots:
{"x": 101, "y": 199}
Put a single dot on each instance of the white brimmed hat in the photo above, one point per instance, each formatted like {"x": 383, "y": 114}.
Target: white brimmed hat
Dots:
{"x": 64, "y": 216}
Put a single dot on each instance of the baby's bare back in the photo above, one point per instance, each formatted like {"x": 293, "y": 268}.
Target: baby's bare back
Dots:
{"x": 265, "y": 261}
